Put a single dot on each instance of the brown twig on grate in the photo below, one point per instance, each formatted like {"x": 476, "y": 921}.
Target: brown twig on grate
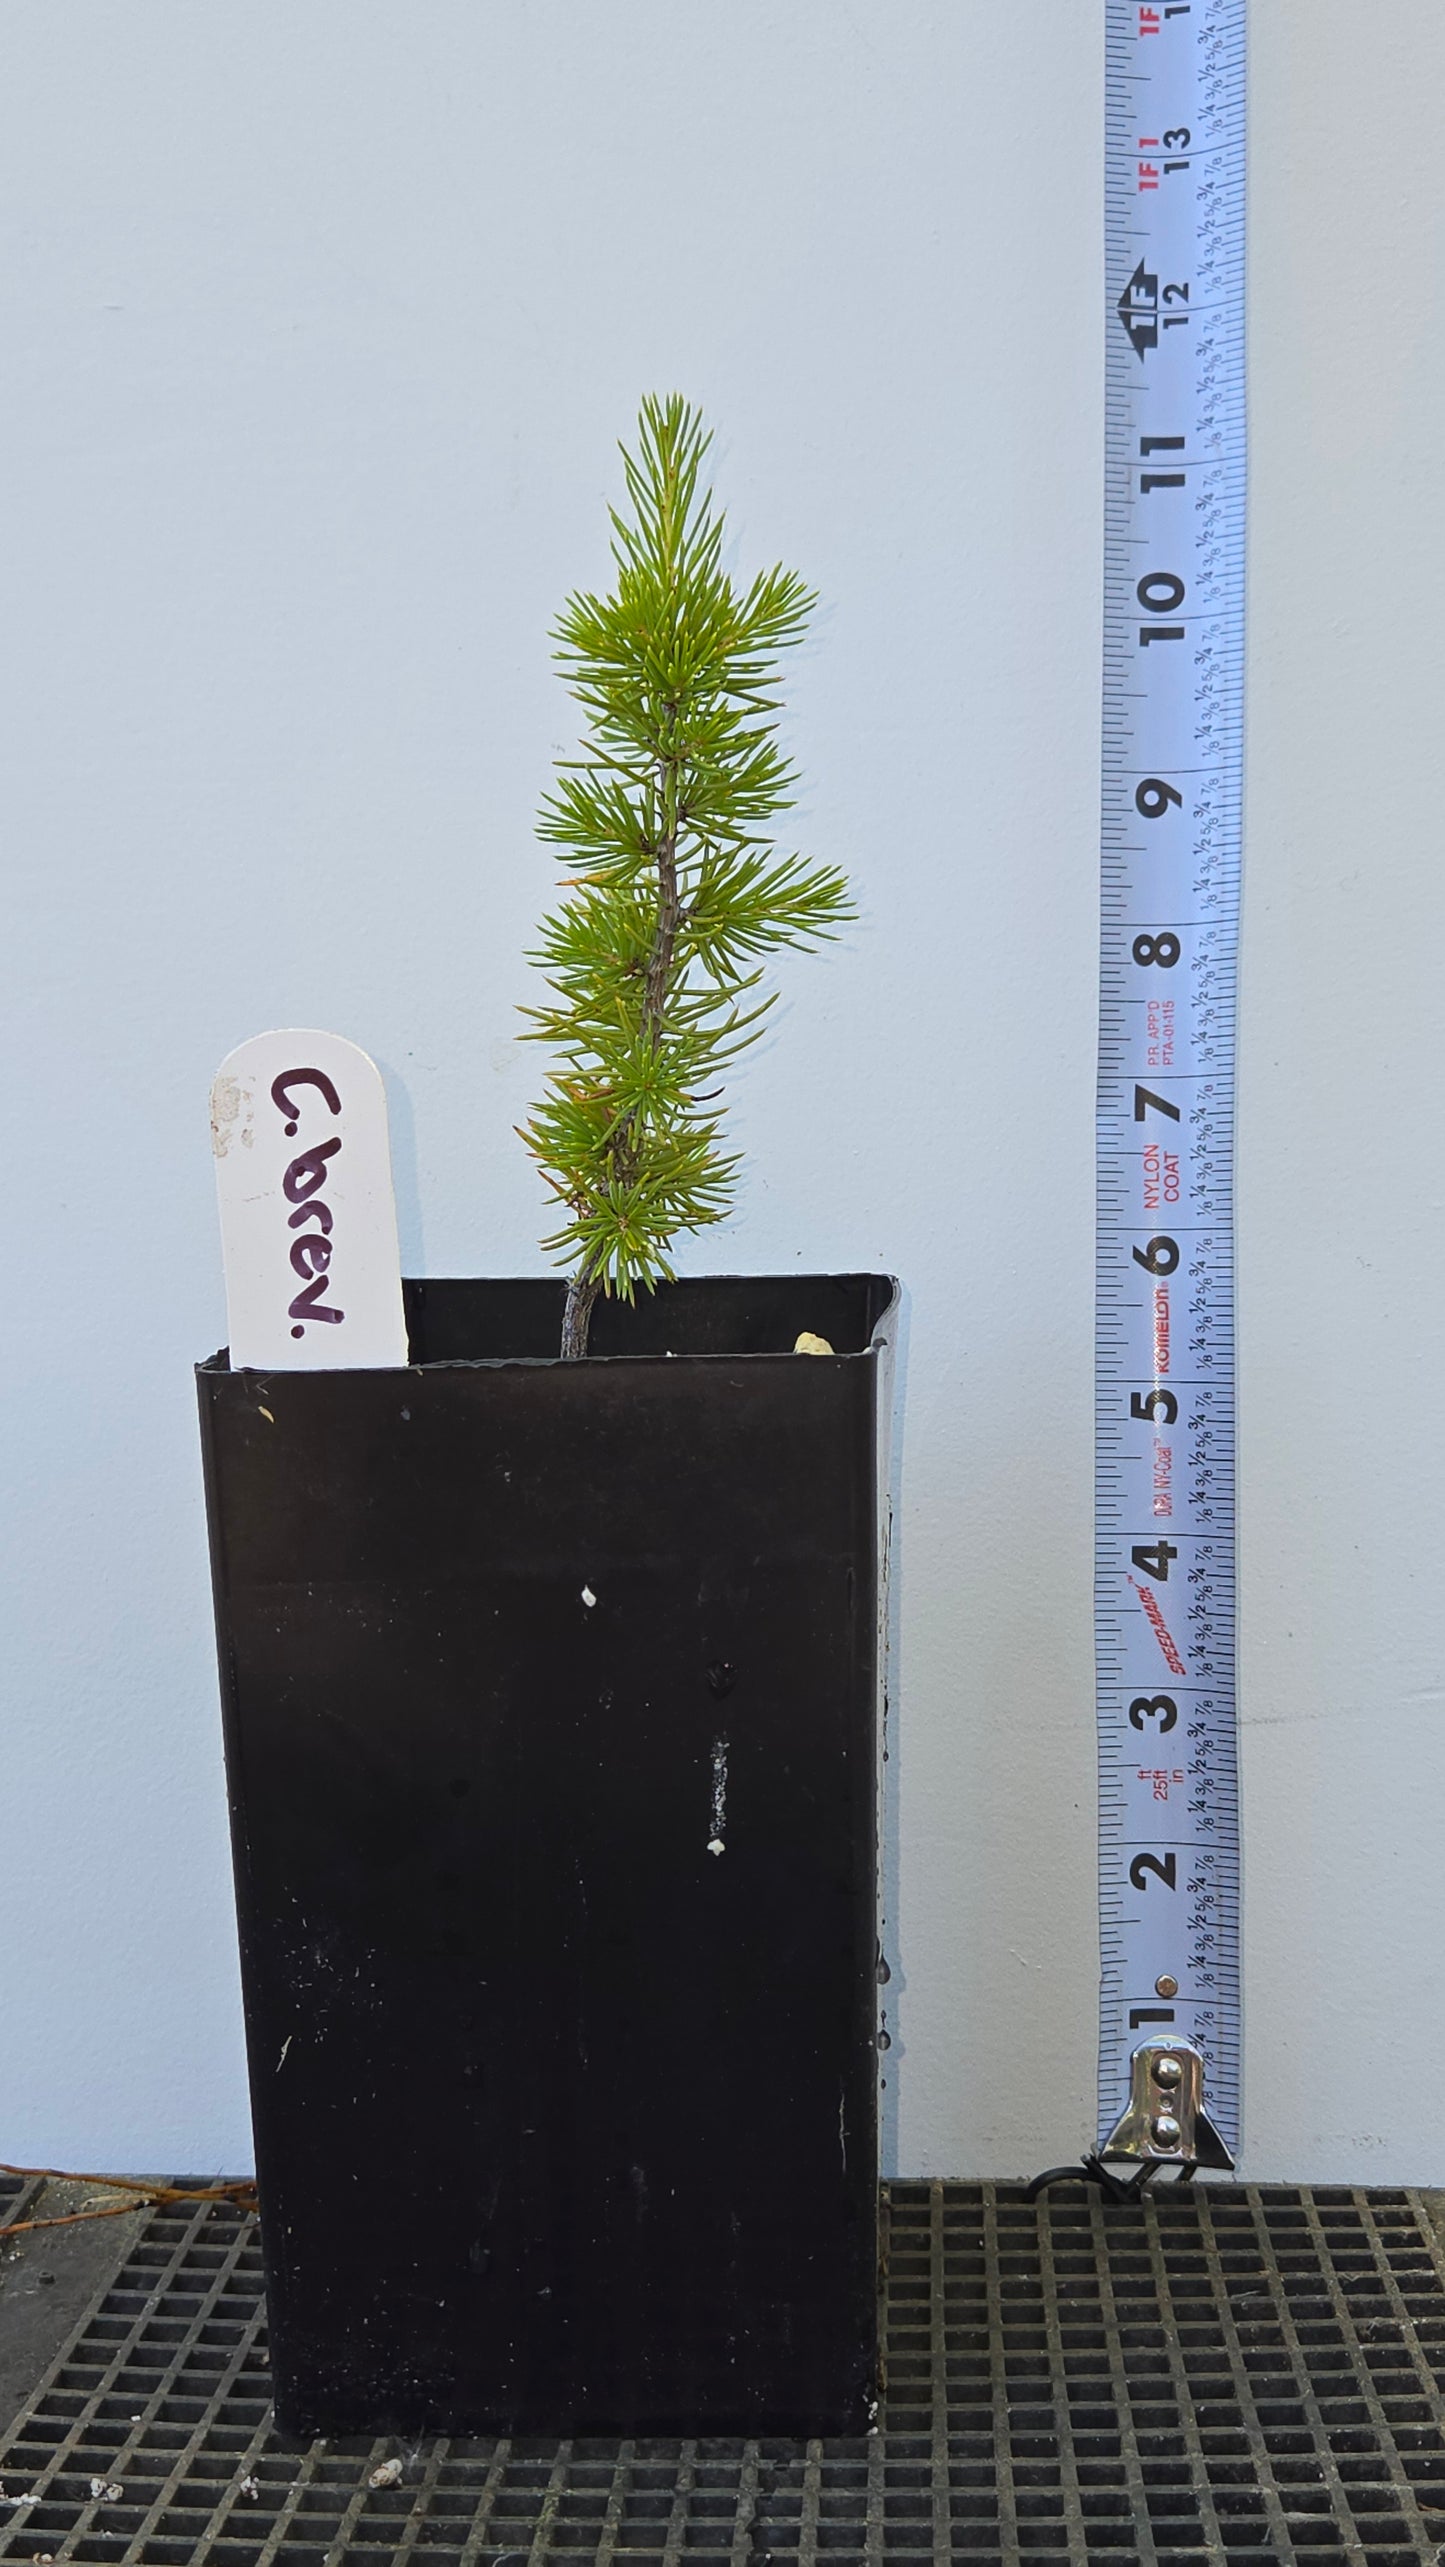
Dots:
{"x": 240, "y": 2195}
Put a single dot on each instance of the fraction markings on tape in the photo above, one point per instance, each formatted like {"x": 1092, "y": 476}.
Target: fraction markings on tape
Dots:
{"x": 1173, "y": 689}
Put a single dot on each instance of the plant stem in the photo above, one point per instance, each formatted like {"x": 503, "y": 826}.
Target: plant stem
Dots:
{"x": 669, "y": 907}
{"x": 583, "y": 1288}
{"x": 582, "y": 1291}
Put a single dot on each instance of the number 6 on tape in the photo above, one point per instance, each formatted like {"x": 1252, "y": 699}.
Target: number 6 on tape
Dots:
{"x": 308, "y": 1221}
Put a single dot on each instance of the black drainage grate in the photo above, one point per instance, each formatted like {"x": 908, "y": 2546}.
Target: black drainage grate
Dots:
{"x": 18, "y": 2195}
{"x": 1232, "y": 2374}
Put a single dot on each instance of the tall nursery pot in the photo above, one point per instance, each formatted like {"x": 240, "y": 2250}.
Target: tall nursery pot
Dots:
{"x": 550, "y": 1702}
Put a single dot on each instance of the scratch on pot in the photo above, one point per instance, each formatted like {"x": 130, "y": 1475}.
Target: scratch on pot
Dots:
{"x": 266, "y": 1413}
{"x": 285, "y": 2046}
{"x": 717, "y": 1841}
{"x": 842, "y": 2131}
{"x": 588, "y": 1597}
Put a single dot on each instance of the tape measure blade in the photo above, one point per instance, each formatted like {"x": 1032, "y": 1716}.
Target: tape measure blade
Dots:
{"x": 1169, "y": 900}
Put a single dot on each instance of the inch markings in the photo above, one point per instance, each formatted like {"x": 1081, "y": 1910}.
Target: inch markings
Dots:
{"x": 1169, "y": 885}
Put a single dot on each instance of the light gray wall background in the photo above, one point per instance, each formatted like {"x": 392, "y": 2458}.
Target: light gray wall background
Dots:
{"x": 322, "y": 325}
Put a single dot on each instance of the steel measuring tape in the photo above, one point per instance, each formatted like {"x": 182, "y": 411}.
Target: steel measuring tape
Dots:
{"x": 1172, "y": 745}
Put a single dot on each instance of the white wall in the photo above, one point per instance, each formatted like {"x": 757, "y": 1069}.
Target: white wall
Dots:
{"x": 327, "y": 322}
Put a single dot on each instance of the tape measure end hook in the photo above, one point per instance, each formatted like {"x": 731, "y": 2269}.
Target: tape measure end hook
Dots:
{"x": 1163, "y": 2124}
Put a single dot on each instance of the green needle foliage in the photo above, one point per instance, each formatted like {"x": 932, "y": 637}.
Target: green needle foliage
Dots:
{"x": 655, "y": 961}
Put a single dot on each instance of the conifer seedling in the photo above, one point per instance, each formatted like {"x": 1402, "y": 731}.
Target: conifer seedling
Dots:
{"x": 679, "y": 896}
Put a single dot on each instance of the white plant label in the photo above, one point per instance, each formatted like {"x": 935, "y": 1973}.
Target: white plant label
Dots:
{"x": 308, "y": 1219}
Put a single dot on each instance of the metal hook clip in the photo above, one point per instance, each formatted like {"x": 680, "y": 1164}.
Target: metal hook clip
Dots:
{"x": 1164, "y": 2123}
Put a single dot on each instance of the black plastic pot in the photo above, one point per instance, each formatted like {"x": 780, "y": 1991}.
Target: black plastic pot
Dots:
{"x": 565, "y": 2118}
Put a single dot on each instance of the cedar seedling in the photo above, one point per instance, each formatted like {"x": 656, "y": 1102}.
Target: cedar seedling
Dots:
{"x": 679, "y": 896}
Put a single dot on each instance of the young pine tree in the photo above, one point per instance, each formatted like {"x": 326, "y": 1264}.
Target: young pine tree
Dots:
{"x": 679, "y": 896}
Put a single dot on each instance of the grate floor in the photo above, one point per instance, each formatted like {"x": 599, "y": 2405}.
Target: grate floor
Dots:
{"x": 17, "y": 2194}
{"x": 1231, "y": 2374}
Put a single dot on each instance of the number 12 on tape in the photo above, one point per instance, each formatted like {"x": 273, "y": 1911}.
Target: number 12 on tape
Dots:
{"x": 308, "y": 1219}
